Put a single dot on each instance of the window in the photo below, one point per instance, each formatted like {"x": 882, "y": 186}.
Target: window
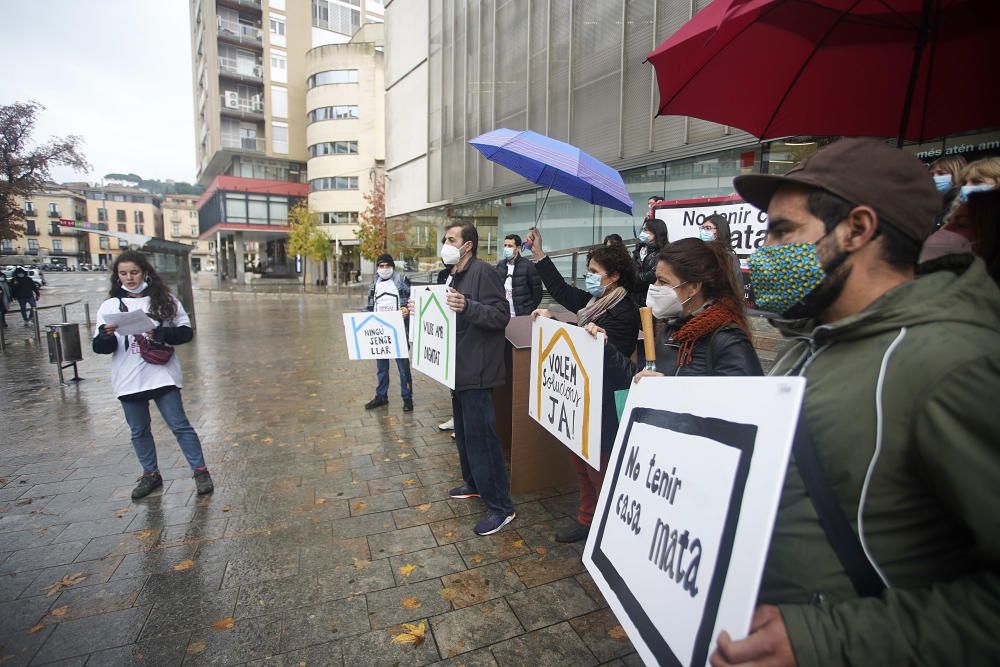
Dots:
{"x": 193, "y": 214}
{"x": 334, "y": 148}
{"x": 333, "y": 113}
{"x": 29, "y": 208}
{"x": 102, "y": 215}
{"x": 29, "y": 227}
{"x": 6, "y": 245}
{"x": 277, "y": 27}
{"x": 117, "y": 197}
{"x": 279, "y": 67}
{"x": 104, "y": 243}
{"x": 139, "y": 228}
{"x": 277, "y": 4}
{"x": 33, "y": 245}
{"x": 279, "y": 137}
{"x": 194, "y": 230}
{"x": 120, "y": 216}
{"x": 334, "y": 183}
{"x": 54, "y": 209}
{"x": 138, "y": 216}
{"x": 176, "y": 228}
{"x": 122, "y": 243}
{"x": 333, "y": 76}
{"x": 279, "y": 102}
{"x": 341, "y": 217}
{"x": 122, "y": 227}
{"x": 337, "y": 16}
{"x": 57, "y": 245}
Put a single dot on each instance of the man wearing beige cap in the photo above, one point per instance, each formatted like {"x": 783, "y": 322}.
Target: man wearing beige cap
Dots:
{"x": 886, "y": 547}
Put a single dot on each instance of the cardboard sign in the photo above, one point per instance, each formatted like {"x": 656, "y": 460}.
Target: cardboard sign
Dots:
{"x": 747, "y": 224}
{"x": 434, "y": 335}
{"x": 684, "y": 521}
{"x": 567, "y": 378}
{"x": 375, "y": 335}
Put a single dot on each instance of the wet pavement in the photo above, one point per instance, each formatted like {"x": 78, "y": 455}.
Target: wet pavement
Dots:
{"x": 330, "y": 538}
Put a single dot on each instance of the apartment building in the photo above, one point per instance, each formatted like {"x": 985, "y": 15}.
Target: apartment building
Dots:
{"x": 55, "y": 230}
{"x": 250, "y": 78}
{"x": 180, "y": 225}
{"x": 128, "y": 212}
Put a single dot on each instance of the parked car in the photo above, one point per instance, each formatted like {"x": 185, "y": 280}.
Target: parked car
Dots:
{"x": 35, "y": 274}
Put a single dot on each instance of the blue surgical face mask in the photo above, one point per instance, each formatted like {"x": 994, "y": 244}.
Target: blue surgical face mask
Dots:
{"x": 508, "y": 253}
{"x": 593, "y": 284}
{"x": 644, "y": 237}
{"x": 706, "y": 235}
{"x": 942, "y": 182}
{"x": 966, "y": 190}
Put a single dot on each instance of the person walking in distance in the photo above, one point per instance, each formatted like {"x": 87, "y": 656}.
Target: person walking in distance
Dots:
{"x": 135, "y": 285}
{"x": 390, "y": 292}
{"x": 26, "y": 291}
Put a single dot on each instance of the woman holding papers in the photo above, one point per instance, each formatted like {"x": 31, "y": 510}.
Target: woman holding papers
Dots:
{"x": 604, "y": 304}
{"x": 135, "y": 286}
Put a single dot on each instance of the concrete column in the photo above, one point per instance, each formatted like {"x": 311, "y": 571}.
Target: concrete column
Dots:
{"x": 240, "y": 258}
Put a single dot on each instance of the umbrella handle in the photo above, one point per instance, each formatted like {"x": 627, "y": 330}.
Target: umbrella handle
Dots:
{"x": 527, "y": 244}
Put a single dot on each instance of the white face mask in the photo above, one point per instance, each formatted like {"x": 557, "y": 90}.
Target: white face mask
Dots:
{"x": 450, "y": 254}
{"x": 138, "y": 290}
{"x": 384, "y": 274}
{"x": 663, "y": 301}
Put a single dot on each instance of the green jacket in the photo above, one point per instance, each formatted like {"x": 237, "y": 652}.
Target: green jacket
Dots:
{"x": 930, "y": 521}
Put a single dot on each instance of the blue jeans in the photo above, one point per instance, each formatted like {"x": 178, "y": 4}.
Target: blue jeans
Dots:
{"x": 172, "y": 410}
{"x": 479, "y": 450}
{"x": 405, "y": 379}
{"x": 25, "y": 311}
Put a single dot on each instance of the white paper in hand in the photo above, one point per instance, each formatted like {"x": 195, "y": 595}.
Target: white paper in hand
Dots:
{"x": 132, "y": 323}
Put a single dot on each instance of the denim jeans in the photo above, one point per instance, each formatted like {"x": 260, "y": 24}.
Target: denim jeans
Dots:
{"x": 172, "y": 410}
{"x": 479, "y": 450}
{"x": 405, "y": 379}
{"x": 25, "y": 311}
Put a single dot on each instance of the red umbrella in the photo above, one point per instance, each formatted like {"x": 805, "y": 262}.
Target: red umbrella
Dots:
{"x": 917, "y": 69}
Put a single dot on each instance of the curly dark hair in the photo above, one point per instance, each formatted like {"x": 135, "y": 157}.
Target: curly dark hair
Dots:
{"x": 162, "y": 306}
{"x": 615, "y": 259}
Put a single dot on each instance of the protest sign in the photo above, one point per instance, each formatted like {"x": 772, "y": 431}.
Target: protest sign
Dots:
{"x": 434, "y": 334}
{"x": 375, "y": 335}
{"x": 567, "y": 377}
{"x": 747, "y": 224}
{"x": 684, "y": 521}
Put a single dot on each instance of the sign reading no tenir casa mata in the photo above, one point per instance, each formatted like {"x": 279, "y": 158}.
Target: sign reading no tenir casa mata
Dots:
{"x": 567, "y": 378}
{"x": 433, "y": 332}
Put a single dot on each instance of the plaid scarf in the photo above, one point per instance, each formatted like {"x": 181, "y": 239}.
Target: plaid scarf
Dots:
{"x": 708, "y": 320}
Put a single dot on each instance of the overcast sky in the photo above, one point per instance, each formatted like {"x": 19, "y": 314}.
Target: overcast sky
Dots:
{"x": 116, "y": 72}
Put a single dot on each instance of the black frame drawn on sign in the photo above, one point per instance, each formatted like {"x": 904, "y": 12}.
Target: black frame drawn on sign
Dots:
{"x": 731, "y": 434}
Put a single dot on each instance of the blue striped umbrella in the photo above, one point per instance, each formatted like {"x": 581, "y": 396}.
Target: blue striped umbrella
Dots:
{"x": 556, "y": 165}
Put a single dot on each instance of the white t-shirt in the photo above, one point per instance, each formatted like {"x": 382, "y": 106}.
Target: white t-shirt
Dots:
{"x": 130, "y": 373}
{"x": 386, "y": 296}
{"x": 508, "y": 288}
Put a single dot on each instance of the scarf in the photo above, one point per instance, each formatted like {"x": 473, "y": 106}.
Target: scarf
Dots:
{"x": 598, "y": 307}
{"x": 708, "y": 320}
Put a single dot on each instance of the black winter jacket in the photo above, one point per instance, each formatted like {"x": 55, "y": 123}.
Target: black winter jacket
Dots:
{"x": 479, "y": 338}
{"x": 645, "y": 270}
{"x": 725, "y": 352}
{"x": 526, "y": 285}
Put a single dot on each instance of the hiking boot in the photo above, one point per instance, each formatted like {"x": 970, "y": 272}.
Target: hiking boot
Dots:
{"x": 376, "y": 403}
{"x": 407, "y": 405}
{"x": 492, "y": 522}
{"x": 447, "y": 426}
{"x": 575, "y": 533}
{"x": 462, "y": 492}
{"x": 203, "y": 482}
{"x": 147, "y": 484}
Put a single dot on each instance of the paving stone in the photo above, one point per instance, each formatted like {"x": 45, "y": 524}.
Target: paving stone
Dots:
{"x": 190, "y": 613}
{"x": 504, "y": 545}
{"x": 160, "y": 652}
{"x": 397, "y": 542}
{"x": 90, "y": 529}
{"x": 454, "y": 530}
{"x": 271, "y": 596}
{"x": 27, "y": 539}
{"x": 383, "y": 502}
{"x": 155, "y": 561}
{"x": 480, "y": 584}
{"x": 324, "y": 622}
{"x": 115, "y": 545}
{"x": 73, "y": 603}
{"x": 243, "y": 571}
{"x": 422, "y": 514}
{"x": 427, "y": 564}
{"x": 364, "y": 576}
{"x": 329, "y": 653}
{"x": 585, "y": 580}
{"x": 603, "y": 634}
{"x": 323, "y": 555}
{"x": 95, "y": 572}
{"x": 41, "y": 557}
{"x": 371, "y": 524}
{"x": 479, "y": 658}
{"x": 474, "y": 627}
{"x": 545, "y": 565}
{"x": 377, "y": 649}
{"x": 405, "y": 604}
{"x": 554, "y": 645}
{"x": 93, "y": 633}
{"x": 248, "y": 639}
{"x": 550, "y": 603}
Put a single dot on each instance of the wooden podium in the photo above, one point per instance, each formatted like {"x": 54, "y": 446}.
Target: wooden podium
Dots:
{"x": 537, "y": 459}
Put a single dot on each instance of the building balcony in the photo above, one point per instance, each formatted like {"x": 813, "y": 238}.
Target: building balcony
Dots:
{"x": 229, "y": 68}
{"x": 53, "y": 214}
{"x": 240, "y": 35}
{"x": 249, "y": 144}
{"x": 246, "y": 108}
{"x": 31, "y": 230}
{"x": 30, "y": 212}
{"x": 240, "y": 4}
{"x": 55, "y": 230}
{"x": 32, "y": 251}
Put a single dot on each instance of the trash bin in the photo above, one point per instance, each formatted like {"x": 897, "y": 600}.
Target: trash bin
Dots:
{"x": 64, "y": 343}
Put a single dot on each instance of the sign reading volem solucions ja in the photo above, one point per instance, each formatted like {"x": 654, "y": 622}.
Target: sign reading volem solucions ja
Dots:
{"x": 684, "y": 521}
{"x": 434, "y": 335}
{"x": 375, "y": 335}
{"x": 567, "y": 378}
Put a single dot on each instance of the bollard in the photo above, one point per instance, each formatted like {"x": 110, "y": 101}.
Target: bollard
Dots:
{"x": 62, "y": 309}
{"x": 86, "y": 315}
{"x": 3, "y": 339}
{"x": 38, "y": 330}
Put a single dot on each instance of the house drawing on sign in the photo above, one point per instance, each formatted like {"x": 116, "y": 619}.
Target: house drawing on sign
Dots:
{"x": 372, "y": 316}
{"x": 432, "y": 299}
{"x": 545, "y": 351}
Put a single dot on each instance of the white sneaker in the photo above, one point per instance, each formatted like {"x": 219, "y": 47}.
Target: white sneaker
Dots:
{"x": 447, "y": 426}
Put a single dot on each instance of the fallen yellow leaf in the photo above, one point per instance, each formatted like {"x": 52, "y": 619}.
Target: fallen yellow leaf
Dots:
{"x": 40, "y": 626}
{"x": 362, "y": 564}
{"x": 65, "y": 582}
{"x": 424, "y": 507}
{"x": 409, "y": 482}
{"x": 144, "y": 534}
{"x": 448, "y": 594}
{"x": 359, "y": 506}
{"x": 540, "y": 550}
{"x": 321, "y": 501}
{"x": 267, "y": 441}
{"x": 59, "y": 611}
{"x": 226, "y": 623}
{"x": 196, "y": 647}
{"x": 228, "y": 508}
{"x": 618, "y": 634}
{"x": 412, "y": 603}
{"x": 122, "y": 512}
{"x": 185, "y": 564}
{"x": 414, "y": 634}
{"x": 407, "y": 570}
{"x": 518, "y": 543}
{"x": 477, "y": 559}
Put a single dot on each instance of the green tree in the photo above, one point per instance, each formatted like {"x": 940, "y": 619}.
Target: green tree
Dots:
{"x": 25, "y": 169}
{"x": 372, "y": 231}
{"x": 305, "y": 237}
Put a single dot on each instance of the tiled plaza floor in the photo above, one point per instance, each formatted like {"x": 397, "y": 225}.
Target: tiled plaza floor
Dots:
{"x": 329, "y": 530}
